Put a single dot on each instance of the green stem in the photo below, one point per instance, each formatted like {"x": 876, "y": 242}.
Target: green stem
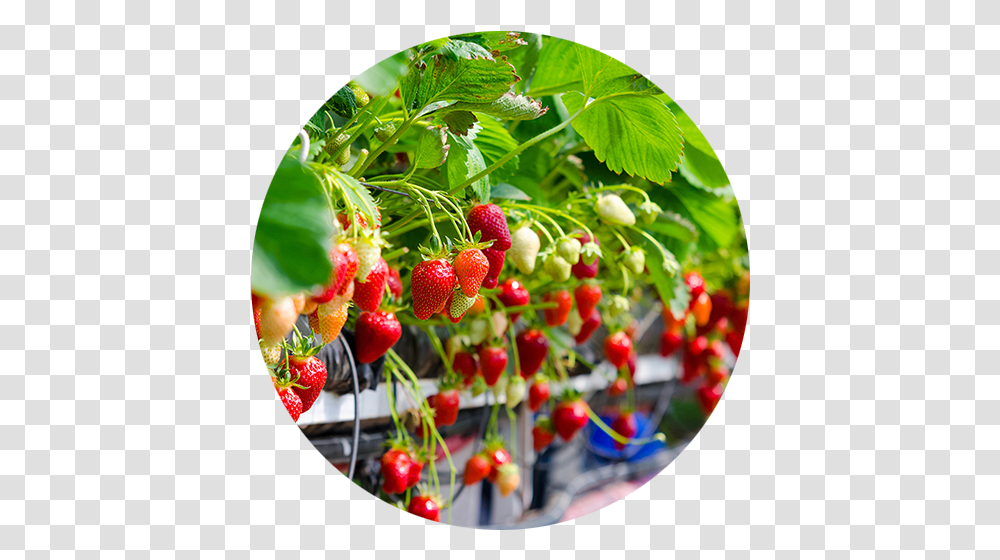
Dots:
{"x": 392, "y": 140}
{"x": 510, "y": 155}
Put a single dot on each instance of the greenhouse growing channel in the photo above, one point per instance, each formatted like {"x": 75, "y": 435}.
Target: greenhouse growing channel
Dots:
{"x": 563, "y": 482}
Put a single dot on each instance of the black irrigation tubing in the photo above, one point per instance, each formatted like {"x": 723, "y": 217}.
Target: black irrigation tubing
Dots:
{"x": 357, "y": 417}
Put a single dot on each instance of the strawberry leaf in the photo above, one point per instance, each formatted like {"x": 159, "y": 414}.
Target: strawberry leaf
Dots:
{"x": 700, "y": 166}
{"x": 432, "y": 148}
{"x": 293, "y": 233}
{"x": 459, "y": 122}
{"x": 494, "y": 142}
{"x": 508, "y": 107}
{"x": 557, "y": 70}
{"x": 464, "y": 161}
{"x": 505, "y": 190}
{"x": 633, "y": 133}
{"x": 463, "y": 71}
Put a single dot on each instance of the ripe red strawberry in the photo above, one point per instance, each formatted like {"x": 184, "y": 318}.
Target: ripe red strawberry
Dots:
{"x": 394, "y": 282}
{"x": 542, "y": 434}
{"x": 692, "y": 366}
{"x": 590, "y": 324}
{"x": 277, "y": 316}
{"x": 618, "y": 387}
{"x": 471, "y": 266}
{"x": 532, "y": 349}
{"x": 491, "y": 221}
{"x": 738, "y": 317}
{"x": 697, "y": 346}
{"x": 587, "y": 296}
{"x": 291, "y": 400}
{"x": 581, "y": 269}
{"x": 626, "y": 426}
{"x": 496, "y": 258}
{"x": 695, "y": 284}
{"x": 538, "y": 394}
{"x": 311, "y": 375}
{"x": 508, "y": 478}
{"x": 722, "y": 307}
{"x": 395, "y": 465}
{"x": 557, "y": 315}
{"x": 670, "y": 341}
{"x": 492, "y": 362}
{"x": 617, "y": 348}
{"x": 735, "y": 342}
{"x": 513, "y": 294}
{"x": 477, "y": 468}
{"x": 701, "y": 308}
{"x": 498, "y": 457}
{"x": 633, "y": 357}
{"x": 256, "y": 302}
{"x": 716, "y": 375}
{"x": 568, "y": 417}
{"x": 426, "y": 507}
{"x": 431, "y": 284}
{"x": 345, "y": 220}
{"x": 416, "y": 466}
{"x": 374, "y": 334}
{"x": 466, "y": 365}
{"x": 445, "y": 405}
{"x": 708, "y": 397}
{"x": 368, "y": 295}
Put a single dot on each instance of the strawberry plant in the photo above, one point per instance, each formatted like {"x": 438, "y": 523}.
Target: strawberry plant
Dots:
{"x": 510, "y": 194}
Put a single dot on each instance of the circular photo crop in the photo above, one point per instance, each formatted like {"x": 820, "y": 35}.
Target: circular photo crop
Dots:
{"x": 500, "y": 280}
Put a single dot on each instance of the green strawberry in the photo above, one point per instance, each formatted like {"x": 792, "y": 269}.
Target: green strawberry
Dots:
{"x": 558, "y": 268}
{"x": 619, "y": 305}
{"x": 648, "y": 211}
{"x": 515, "y": 391}
{"x": 333, "y": 145}
{"x": 613, "y": 210}
{"x": 524, "y": 245}
{"x": 385, "y": 132}
{"x": 368, "y": 255}
{"x": 478, "y": 331}
{"x": 569, "y": 249}
{"x": 635, "y": 260}
{"x": 360, "y": 96}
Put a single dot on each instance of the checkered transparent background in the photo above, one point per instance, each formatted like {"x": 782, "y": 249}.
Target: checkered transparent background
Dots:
{"x": 136, "y": 143}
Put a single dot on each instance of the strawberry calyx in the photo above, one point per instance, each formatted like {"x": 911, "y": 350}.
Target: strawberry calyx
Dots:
{"x": 282, "y": 378}
{"x": 475, "y": 243}
{"x": 543, "y": 422}
{"x": 301, "y": 347}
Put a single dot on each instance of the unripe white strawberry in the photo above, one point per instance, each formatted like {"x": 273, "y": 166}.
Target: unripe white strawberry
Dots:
{"x": 569, "y": 249}
{"x": 515, "y": 391}
{"x": 573, "y": 322}
{"x": 478, "y": 331}
{"x": 524, "y": 246}
{"x": 368, "y": 255}
{"x": 635, "y": 261}
{"x": 613, "y": 210}
{"x": 271, "y": 354}
{"x": 558, "y": 268}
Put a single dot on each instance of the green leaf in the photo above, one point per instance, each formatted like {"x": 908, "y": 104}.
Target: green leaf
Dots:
{"x": 506, "y": 190}
{"x": 508, "y": 107}
{"x": 432, "y": 148}
{"x": 636, "y": 134}
{"x": 524, "y": 58}
{"x": 604, "y": 75}
{"x": 459, "y": 122}
{"x": 499, "y": 41}
{"x": 356, "y": 193}
{"x": 462, "y": 71}
{"x": 464, "y": 161}
{"x": 343, "y": 102}
{"x": 558, "y": 68}
{"x": 711, "y": 213}
{"x": 700, "y": 165}
{"x": 530, "y": 188}
{"x": 293, "y": 233}
{"x": 494, "y": 142}
{"x": 673, "y": 225}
